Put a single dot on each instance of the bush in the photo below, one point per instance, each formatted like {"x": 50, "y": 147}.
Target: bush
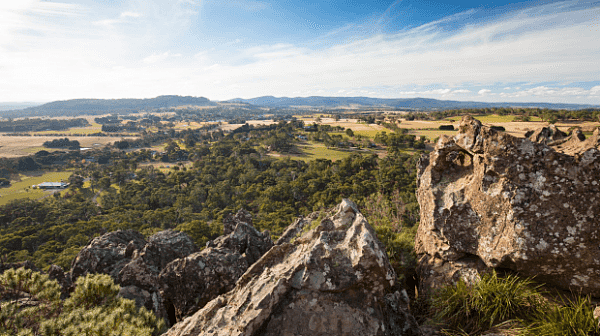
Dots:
{"x": 446, "y": 128}
{"x": 31, "y": 305}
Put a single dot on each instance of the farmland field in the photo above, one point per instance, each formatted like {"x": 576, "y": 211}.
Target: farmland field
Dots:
{"x": 22, "y": 189}
{"x": 15, "y": 146}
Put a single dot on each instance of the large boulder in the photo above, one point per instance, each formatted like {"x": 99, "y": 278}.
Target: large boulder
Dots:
{"x": 107, "y": 254}
{"x": 189, "y": 283}
{"x": 334, "y": 279}
{"x": 491, "y": 200}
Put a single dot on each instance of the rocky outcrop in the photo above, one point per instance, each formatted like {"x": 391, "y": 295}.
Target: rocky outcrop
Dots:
{"x": 335, "y": 279}
{"x": 491, "y": 200}
{"x": 546, "y": 135}
{"x": 296, "y": 228}
{"x": 189, "y": 283}
{"x": 134, "y": 263}
{"x": 231, "y": 221}
{"x": 107, "y": 254}
{"x": 577, "y": 143}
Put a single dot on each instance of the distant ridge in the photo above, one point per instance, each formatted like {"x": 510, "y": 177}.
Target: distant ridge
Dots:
{"x": 408, "y": 103}
{"x": 75, "y": 107}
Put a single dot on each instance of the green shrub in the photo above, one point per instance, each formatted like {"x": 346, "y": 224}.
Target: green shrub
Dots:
{"x": 31, "y": 305}
{"x": 474, "y": 308}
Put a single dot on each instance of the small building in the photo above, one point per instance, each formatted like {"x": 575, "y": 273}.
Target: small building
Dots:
{"x": 51, "y": 185}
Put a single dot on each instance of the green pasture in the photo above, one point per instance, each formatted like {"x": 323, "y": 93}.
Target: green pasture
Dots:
{"x": 313, "y": 151}
{"x": 22, "y": 189}
{"x": 370, "y": 133}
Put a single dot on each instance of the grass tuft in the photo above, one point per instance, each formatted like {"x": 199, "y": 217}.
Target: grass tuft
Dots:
{"x": 471, "y": 309}
{"x": 572, "y": 318}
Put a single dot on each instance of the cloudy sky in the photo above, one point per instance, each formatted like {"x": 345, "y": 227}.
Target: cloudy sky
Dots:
{"x": 521, "y": 51}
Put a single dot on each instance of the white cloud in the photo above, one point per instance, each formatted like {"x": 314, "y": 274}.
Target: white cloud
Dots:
{"x": 155, "y": 58}
{"x": 461, "y": 91}
{"x": 483, "y": 92}
{"x": 130, "y": 14}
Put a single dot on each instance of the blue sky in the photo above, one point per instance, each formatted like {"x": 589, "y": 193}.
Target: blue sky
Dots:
{"x": 521, "y": 51}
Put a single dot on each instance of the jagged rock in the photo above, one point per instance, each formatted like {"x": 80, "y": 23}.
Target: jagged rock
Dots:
{"x": 57, "y": 273}
{"x": 577, "y": 142}
{"x": 511, "y": 203}
{"x": 296, "y": 228}
{"x": 244, "y": 240}
{"x": 187, "y": 284}
{"x": 231, "y": 221}
{"x": 134, "y": 263}
{"x": 162, "y": 248}
{"x": 107, "y": 254}
{"x": 335, "y": 279}
{"x": 546, "y": 135}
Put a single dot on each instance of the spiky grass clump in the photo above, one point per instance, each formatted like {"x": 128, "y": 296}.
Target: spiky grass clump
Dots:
{"x": 572, "y": 318}
{"x": 470, "y": 309}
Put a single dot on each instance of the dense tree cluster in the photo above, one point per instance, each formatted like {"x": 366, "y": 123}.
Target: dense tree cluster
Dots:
{"x": 62, "y": 143}
{"x": 523, "y": 114}
{"x": 36, "y": 125}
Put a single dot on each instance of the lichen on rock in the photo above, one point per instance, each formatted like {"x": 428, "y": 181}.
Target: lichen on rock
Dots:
{"x": 491, "y": 200}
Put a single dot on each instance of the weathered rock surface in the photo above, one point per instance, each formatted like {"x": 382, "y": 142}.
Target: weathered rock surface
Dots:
{"x": 231, "y": 221}
{"x": 296, "y": 228}
{"x": 577, "y": 143}
{"x": 490, "y": 198}
{"x": 134, "y": 263}
{"x": 333, "y": 280}
{"x": 546, "y": 135}
{"x": 107, "y": 254}
{"x": 189, "y": 283}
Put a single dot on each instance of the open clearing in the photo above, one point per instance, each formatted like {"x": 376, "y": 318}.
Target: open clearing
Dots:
{"x": 22, "y": 189}
{"x": 15, "y": 146}
{"x": 313, "y": 150}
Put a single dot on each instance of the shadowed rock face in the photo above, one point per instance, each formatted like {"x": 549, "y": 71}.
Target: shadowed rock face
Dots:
{"x": 491, "y": 200}
{"x": 134, "y": 263}
{"x": 189, "y": 283}
{"x": 335, "y": 279}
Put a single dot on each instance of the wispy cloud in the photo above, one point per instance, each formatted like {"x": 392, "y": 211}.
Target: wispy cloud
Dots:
{"x": 137, "y": 50}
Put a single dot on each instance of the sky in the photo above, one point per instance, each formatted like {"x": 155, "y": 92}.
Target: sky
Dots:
{"x": 492, "y": 51}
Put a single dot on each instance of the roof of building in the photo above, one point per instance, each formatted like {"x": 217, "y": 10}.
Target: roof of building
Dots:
{"x": 52, "y": 185}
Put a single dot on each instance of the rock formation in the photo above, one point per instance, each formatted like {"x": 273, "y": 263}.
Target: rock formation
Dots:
{"x": 491, "y": 200}
{"x": 189, "y": 283}
{"x": 335, "y": 279}
{"x": 546, "y": 135}
{"x": 577, "y": 143}
{"x": 134, "y": 263}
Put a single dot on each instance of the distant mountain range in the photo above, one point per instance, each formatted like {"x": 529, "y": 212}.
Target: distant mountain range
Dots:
{"x": 407, "y": 103}
{"x": 75, "y": 107}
